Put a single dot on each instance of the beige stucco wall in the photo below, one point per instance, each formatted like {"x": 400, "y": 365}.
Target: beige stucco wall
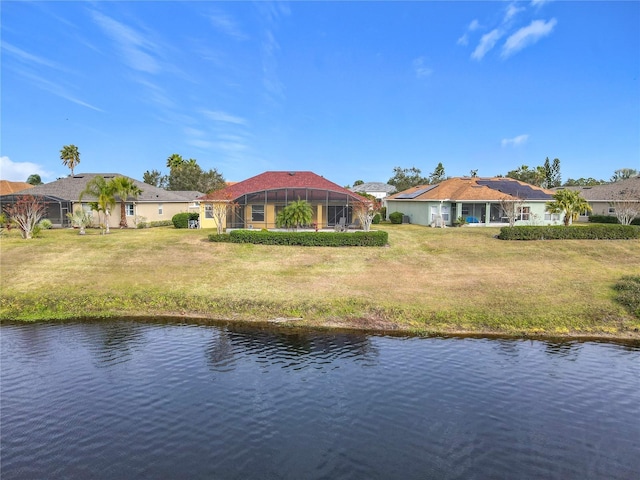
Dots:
{"x": 144, "y": 212}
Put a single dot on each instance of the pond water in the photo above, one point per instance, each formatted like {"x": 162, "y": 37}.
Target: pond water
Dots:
{"x": 127, "y": 399}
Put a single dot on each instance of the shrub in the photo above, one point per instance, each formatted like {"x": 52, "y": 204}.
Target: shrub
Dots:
{"x": 45, "y": 224}
{"x": 377, "y": 238}
{"x": 396, "y": 217}
{"x": 609, "y": 219}
{"x": 181, "y": 220}
{"x": 628, "y": 293}
{"x": 561, "y": 232}
{"x": 376, "y": 219}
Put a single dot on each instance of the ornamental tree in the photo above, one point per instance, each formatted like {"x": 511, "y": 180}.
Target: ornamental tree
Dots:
{"x": 26, "y": 213}
{"x": 365, "y": 209}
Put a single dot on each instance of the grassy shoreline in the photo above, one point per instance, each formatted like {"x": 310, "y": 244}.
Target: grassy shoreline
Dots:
{"x": 428, "y": 281}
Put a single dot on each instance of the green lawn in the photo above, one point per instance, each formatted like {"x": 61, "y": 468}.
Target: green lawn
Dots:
{"x": 428, "y": 280}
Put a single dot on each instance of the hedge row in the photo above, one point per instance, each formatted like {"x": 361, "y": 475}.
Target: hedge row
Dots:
{"x": 377, "y": 238}
{"x": 560, "y": 232}
{"x": 610, "y": 219}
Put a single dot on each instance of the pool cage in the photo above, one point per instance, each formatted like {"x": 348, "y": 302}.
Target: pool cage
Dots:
{"x": 56, "y": 208}
{"x": 333, "y": 206}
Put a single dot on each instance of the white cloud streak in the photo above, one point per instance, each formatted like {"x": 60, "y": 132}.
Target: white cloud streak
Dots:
{"x": 138, "y": 51}
{"x": 223, "y": 117}
{"x": 515, "y": 141}
{"x": 27, "y": 57}
{"x": 473, "y": 26}
{"x": 487, "y": 42}
{"x": 528, "y": 35}
{"x": 421, "y": 69}
{"x": 226, "y": 25}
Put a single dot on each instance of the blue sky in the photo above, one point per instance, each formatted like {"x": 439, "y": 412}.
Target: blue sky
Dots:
{"x": 348, "y": 90}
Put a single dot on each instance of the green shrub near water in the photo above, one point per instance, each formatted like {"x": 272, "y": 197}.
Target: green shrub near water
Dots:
{"x": 378, "y": 238}
{"x": 181, "y": 220}
{"x": 560, "y": 232}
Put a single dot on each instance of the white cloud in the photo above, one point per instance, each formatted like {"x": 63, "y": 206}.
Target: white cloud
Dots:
{"x": 487, "y": 42}
{"x": 422, "y": 71}
{"x": 227, "y": 25}
{"x": 136, "y": 48}
{"x": 28, "y": 57}
{"x": 526, "y": 36}
{"x": 20, "y": 171}
{"x": 473, "y": 26}
{"x": 515, "y": 141}
{"x": 539, "y": 3}
{"x": 222, "y": 117}
{"x": 512, "y": 11}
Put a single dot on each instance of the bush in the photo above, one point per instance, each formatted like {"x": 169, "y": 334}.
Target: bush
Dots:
{"x": 609, "y": 219}
{"x": 396, "y": 217}
{"x": 560, "y": 232}
{"x": 377, "y": 238}
{"x": 628, "y": 293}
{"x": 376, "y": 219}
{"x": 383, "y": 213}
{"x": 45, "y": 224}
{"x": 181, "y": 220}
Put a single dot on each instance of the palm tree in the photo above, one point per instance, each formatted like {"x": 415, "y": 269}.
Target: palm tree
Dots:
{"x": 70, "y": 156}
{"x": 295, "y": 215}
{"x": 124, "y": 187}
{"x": 570, "y": 203}
{"x": 104, "y": 194}
{"x": 174, "y": 161}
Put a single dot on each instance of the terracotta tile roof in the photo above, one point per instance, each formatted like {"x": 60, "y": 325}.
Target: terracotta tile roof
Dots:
{"x": 276, "y": 180}
{"x": 474, "y": 189}
{"x": 7, "y": 187}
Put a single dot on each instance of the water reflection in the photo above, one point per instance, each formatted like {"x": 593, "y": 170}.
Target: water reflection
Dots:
{"x": 114, "y": 341}
{"x": 125, "y": 399}
{"x": 288, "y": 349}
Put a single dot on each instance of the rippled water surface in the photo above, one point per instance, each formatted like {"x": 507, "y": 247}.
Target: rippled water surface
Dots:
{"x": 140, "y": 400}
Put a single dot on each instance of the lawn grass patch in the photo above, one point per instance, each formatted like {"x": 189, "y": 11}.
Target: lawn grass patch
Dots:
{"x": 426, "y": 280}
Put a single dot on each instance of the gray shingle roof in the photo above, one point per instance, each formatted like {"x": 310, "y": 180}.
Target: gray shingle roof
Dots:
{"x": 610, "y": 191}
{"x": 69, "y": 188}
{"x": 374, "y": 187}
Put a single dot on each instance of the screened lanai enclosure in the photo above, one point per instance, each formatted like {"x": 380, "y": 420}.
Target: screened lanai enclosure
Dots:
{"x": 56, "y": 208}
{"x": 259, "y": 209}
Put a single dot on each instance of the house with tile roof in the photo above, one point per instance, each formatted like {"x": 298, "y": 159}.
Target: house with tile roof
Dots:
{"x": 7, "y": 187}
{"x": 153, "y": 204}
{"x": 477, "y": 200}
{"x": 602, "y": 198}
{"x": 256, "y": 201}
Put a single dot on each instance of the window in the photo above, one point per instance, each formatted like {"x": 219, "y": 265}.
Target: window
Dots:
{"x": 208, "y": 211}
{"x": 552, "y": 217}
{"x": 525, "y": 212}
{"x": 257, "y": 213}
{"x": 160, "y": 209}
{"x": 612, "y": 210}
{"x": 129, "y": 209}
{"x": 445, "y": 213}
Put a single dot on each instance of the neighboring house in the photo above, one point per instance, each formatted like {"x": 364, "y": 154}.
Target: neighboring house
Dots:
{"x": 257, "y": 200}
{"x": 602, "y": 198}
{"x": 153, "y": 204}
{"x": 7, "y": 187}
{"x": 377, "y": 189}
{"x": 477, "y": 200}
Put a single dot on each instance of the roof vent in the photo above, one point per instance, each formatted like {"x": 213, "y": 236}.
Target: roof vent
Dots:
{"x": 292, "y": 173}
